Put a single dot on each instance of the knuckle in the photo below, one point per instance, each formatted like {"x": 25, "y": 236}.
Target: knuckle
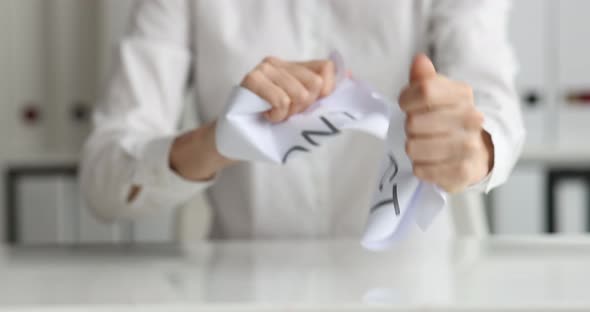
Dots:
{"x": 419, "y": 172}
{"x": 469, "y": 94}
{"x": 278, "y": 100}
{"x": 274, "y": 117}
{"x": 463, "y": 171}
{"x": 316, "y": 82}
{"x": 274, "y": 102}
{"x": 270, "y": 59}
{"x": 425, "y": 90}
{"x": 469, "y": 145}
{"x": 282, "y": 102}
{"x": 252, "y": 78}
{"x": 476, "y": 118}
{"x": 296, "y": 108}
{"x": 466, "y": 90}
{"x": 265, "y": 67}
{"x": 302, "y": 95}
{"x": 404, "y": 93}
{"x": 403, "y": 99}
{"x": 327, "y": 66}
{"x": 301, "y": 102}
{"x": 411, "y": 125}
{"x": 471, "y": 118}
{"x": 411, "y": 148}
{"x": 279, "y": 114}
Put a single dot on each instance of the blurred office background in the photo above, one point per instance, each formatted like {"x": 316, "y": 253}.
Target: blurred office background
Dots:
{"x": 55, "y": 54}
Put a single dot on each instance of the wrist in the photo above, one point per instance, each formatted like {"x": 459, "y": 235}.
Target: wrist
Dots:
{"x": 194, "y": 155}
{"x": 489, "y": 150}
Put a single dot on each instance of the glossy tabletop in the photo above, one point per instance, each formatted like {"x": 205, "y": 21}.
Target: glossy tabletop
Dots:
{"x": 500, "y": 274}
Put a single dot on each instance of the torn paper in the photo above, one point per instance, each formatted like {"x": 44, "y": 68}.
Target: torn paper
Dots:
{"x": 244, "y": 134}
{"x": 400, "y": 198}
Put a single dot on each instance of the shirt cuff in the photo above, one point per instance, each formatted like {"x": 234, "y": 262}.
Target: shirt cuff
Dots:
{"x": 494, "y": 177}
{"x": 154, "y": 175}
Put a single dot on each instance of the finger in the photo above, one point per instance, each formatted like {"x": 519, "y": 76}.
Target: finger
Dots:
{"x": 450, "y": 177}
{"x": 328, "y": 73}
{"x": 431, "y": 150}
{"x": 463, "y": 145}
{"x": 442, "y": 121}
{"x": 422, "y": 68}
{"x": 301, "y": 97}
{"x": 317, "y": 66}
{"x": 311, "y": 81}
{"x": 327, "y": 70}
{"x": 288, "y": 83}
{"x": 433, "y": 94}
{"x": 259, "y": 84}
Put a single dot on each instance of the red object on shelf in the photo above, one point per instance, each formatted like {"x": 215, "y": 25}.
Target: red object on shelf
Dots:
{"x": 31, "y": 114}
{"x": 578, "y": 97}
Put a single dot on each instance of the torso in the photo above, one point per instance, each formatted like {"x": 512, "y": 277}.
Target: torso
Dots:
{"x": 325, "y": 193}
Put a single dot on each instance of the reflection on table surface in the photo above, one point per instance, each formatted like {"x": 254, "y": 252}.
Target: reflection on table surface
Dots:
{"x": 501, "y": 272}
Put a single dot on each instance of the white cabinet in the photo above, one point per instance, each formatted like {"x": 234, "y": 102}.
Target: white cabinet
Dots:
{"x": 574, "y": 69}
{"x": 48, "y": 72}
{"x": 518, "y": 205}
{"x": 24, "y": 74}
{"x": 572, "y": 197}
{"x": 550, "y": 42}
{"x": 47, "y": 209}
{"x": 5, "y": 68}
{"x": 72, "y": 48}
{"x": 528, "y": 32}
{"x": 40, "y": 212}
{"x": 54, "y": 54}
{"x": 113, "y": 21}
{"x": 573, "y": 43}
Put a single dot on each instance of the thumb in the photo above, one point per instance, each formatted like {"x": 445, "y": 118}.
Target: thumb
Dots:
{"x": 422, "y": 68}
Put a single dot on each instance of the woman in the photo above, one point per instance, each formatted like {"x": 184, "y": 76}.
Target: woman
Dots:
{"x": 463, "y": 120}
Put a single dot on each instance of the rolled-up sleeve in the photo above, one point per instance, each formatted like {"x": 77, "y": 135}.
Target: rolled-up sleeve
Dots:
{"x": 136, "y": 120}
{"x": 469, "y": 41}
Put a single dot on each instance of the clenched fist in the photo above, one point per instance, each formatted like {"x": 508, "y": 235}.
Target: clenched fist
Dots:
{"x": 290, "y": 87}
{"x": 445, "y": 138}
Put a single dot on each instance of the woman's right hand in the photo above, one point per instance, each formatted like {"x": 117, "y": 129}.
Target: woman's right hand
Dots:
{"x": 290, "y": 87}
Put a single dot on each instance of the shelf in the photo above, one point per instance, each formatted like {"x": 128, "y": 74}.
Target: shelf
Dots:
{"x": 565, "y": 156}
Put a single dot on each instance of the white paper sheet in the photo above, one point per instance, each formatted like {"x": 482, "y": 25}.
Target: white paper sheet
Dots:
{"x": 400, "y": 198}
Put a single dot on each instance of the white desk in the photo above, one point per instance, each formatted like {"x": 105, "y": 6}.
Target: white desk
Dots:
{"x": 494, "y": 275}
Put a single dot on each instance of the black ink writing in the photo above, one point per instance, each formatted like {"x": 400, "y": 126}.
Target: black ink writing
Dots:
{"x": 393, "y": 200}
{"x": 389, "y": 176}
{"x": 393, "y": 168}
{"x": 309, "y": 135}
{"x": 294, "y": 149}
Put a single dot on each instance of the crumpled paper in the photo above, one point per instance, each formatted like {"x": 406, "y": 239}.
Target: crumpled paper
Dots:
{"x": 400, "y": 198}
